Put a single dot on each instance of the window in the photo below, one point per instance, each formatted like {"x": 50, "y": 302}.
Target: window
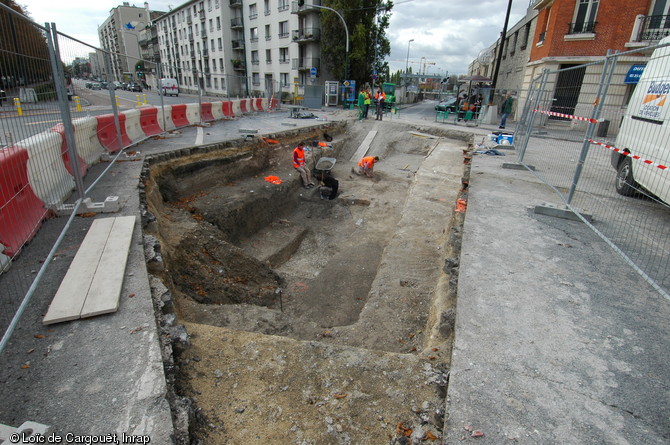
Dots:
{"x": 221, "y": 65}
{"x": 515, "y": 38}
{"x": 268, "y": 56}
{"x": 256, "y": 79}
{"x": 216, "y": 83}
{"x": 267, "y": 32}
{"x": 253, "y": 35}
{"x": 211, "y": 44}
{"x": 253, "y": 11}
{"x": 220, "y": 44}
{"x": 267, "y": 7}
{"x": 213, "y": 64}
{"x": 283, "y": 29}
{"x": 283, "y": 5}
{"x": 524, "y": 39}
{"x": 209, "y": 5}
{"x": 211, "y": 25}
{"x": 283, "y": 80}
{"x": 585, "y": 17}
{"x": 218, "y": 23}
{"x": 254, "y": 58}
{"x": 283, "y": 55}
{"x": 216, "y": 4}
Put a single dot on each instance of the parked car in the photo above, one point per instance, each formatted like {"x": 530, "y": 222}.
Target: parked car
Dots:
{"x": 135, "y": 87}
{"x": 449, "y": 104}
{"x": 88, "y": 85}
{"x": 645, "y": 131}
{"x": 96, "y": 86}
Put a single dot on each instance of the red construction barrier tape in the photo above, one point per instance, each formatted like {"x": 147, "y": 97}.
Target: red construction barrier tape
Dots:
{"x": 625, "y": 153}
{"x": 568, "y": 116}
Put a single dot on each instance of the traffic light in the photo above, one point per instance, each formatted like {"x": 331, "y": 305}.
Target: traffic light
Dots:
{"x": 138, "y": 66}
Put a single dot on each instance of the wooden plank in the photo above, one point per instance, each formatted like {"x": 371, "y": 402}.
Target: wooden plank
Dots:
{"x": 363, "y": 148}
{"x": 105, "y": 291}
{"x": 71, "y": 294}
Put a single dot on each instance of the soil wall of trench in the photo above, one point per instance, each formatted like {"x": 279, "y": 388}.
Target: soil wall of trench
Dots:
{"x": 238, "y": 261}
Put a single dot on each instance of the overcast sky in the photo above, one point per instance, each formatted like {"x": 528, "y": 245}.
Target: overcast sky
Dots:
{"x": 450, "y": 33}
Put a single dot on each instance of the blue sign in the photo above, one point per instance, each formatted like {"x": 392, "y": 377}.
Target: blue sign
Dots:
{"x": 312, "y": 72}
{"x": 634, "y": 74}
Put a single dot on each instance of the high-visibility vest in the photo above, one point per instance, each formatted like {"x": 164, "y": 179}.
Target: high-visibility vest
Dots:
{"x": 367, "y": 162}
{"x": 368, "y": 98}
{"x": 381, "y": 96}
{"x": 298, "y": 157}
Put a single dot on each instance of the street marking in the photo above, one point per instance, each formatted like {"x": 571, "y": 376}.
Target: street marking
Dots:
{"x": 43, "y": 122}
{"x": 200, "y": 135}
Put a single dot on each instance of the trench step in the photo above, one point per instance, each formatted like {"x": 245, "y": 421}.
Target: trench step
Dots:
{"x": 276, "y": 244}
{"x": 364, "y": 147}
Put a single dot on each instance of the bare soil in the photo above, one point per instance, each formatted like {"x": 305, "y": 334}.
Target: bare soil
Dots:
{"x": 311, "y": 320}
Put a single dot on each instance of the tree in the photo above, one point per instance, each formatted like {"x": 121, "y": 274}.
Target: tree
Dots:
{"x": 367, "y": 21}
{"x": 24, "y": 55}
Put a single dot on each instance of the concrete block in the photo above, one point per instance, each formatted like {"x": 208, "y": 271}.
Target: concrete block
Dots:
{"x": 565, "y": 213}
{"x": 517, "y": 166}
{"x": 28, "y": 432}
{"x": 109, "y": 205}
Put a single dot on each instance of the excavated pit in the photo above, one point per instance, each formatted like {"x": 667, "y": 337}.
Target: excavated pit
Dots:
{"x": 376, "y": 268}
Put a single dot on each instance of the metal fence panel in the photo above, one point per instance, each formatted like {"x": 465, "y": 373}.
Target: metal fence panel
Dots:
{"x": 568, "y": 134}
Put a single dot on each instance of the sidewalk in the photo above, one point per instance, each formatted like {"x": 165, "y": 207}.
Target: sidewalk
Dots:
{"x": 556, "y": 341}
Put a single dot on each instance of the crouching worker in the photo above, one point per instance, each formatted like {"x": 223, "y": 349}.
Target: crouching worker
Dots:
{"x": 329, "y": 186}
{"x": 366, "y": 165}
{"x": 301, "y": 167}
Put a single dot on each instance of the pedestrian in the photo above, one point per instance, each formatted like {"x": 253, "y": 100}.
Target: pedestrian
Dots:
{"x": 361, "y": 104}
{"x": 380, "y": 99}
{"x": 366, "y": 165}
{"x": 367, "y": 102}
{"x": 329, "y": 186}
{"x": 506, "y": 109}
{"x": 300, "y": 165}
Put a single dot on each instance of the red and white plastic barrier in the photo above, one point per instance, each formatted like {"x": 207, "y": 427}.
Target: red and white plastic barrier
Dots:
{"x": 165, "y": 113}
{"x": 179, "y": 117}
{"x": 149, "y": 121}
{"x": 21, "y": 211}
{"x": 65, "y": 152}
{"x": 107, "y": 134}
{"x": 217, "y": 111}
{"x": 49, "y": 179}
{"x": 133, "y": 126}
{"x": 227, "y": 109}
{"x": 193, "y": 114}
{"x": 206, "y": 112}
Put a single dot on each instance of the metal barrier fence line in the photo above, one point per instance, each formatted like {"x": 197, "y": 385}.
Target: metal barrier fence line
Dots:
{"x": 568, "y": 133}
{"x": 55, "y": 128}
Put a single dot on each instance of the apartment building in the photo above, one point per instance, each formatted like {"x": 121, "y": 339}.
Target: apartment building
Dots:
{"x": 241, "y": 47}
{"x": 120, "y": 35}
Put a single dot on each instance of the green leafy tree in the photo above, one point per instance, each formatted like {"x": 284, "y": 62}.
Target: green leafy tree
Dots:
{"x": 24, "y": 55}
{"x": 367, "y": 21}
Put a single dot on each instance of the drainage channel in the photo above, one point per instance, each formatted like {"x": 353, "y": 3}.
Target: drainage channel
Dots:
{"x": 296, "y": 319}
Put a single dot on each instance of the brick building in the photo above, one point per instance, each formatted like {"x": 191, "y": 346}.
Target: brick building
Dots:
{"x": 571, "y": 33}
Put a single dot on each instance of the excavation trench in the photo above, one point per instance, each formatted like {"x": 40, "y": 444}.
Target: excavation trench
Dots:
{"x": 328, "y": 289}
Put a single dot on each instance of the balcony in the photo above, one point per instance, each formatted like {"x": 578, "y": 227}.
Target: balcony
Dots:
{"x": 236, "y": 22}
{"x": 205, "y": 53}
{"x": 201, "y": 15}
{"x": 306, "y": 35}
{"x": 203, "y": 34}
{"x": 582, "y": 28}
{"x": 238, "y": 65}
{"x": 304, "y": 9}
{"x": 192, "y": 54}
{"x": 189, "y": 20}
{"x": 190, "y": 37}
{"x": 282, "y": 6}
{"x": 654, "y": 27}
{"x": 235, "y": 3}
{"x": 238, "y": 44}
{"x": 305, "y": 63}
{"x": 255, "y": 62}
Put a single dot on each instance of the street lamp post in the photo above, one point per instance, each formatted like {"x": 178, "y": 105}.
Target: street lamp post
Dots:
{"x": 407, "y": 61}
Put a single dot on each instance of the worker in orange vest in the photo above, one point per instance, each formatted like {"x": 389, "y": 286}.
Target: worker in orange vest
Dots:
{"x": 366, "y": 165}
{"x": 301, "y": 167}
{"x": 380, "y": 99}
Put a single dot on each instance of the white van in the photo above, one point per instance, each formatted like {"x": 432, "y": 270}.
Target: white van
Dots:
{"x": 169, "y": 87}
{"x": 645, "y": 132}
